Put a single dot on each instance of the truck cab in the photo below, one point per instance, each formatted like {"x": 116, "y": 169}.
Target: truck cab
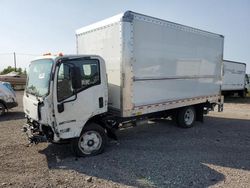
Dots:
{"x": 62, "y": 94}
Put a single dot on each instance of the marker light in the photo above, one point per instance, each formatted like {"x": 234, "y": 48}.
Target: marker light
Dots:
{"x": 46, "y": 54}
{"x": 60, "y": 54}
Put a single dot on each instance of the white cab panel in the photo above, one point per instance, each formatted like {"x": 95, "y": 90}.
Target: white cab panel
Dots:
{"x": 30, "y": 106}
{"x": 81, "y": 107}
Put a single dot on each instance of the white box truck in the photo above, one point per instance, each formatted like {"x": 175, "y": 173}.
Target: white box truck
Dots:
{"x": 141, "y": 68}
{"x": 235, "y": 79}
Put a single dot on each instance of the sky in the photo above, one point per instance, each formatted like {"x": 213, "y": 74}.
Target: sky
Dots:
{"x": 34, "y": 27}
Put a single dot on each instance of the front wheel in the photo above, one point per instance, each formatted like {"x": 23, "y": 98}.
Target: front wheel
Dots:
{"x": 2, "y": 109}
{"x": 92, "y": 141}
{"x": 186, "y": 117}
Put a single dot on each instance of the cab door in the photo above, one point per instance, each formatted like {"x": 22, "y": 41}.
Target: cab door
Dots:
{"x": 74, "y": 107}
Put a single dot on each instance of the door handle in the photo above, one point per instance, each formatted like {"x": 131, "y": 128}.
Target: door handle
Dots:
{"x": 60, "y": 107}
{"x": 100, "y": 102}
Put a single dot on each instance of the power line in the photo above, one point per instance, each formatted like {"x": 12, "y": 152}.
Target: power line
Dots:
{"x": 16, "y": 56}
{"x": 20, "y": 54}
{"x": 28, "y": 54}
{"x": 6, "y": 53}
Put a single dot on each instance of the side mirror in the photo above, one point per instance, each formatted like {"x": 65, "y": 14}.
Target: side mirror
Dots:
{"x": 76, "y": 78}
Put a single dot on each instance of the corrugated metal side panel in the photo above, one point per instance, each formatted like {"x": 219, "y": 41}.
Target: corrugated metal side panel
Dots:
{"x": 173, "y": 62}
{"x": 105, "y": 41}
{"x": 234, "y": 76}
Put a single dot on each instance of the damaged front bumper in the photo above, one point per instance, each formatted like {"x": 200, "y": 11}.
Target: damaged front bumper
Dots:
{"x": 34, "y": 136}
{"x": 37, "y": 133}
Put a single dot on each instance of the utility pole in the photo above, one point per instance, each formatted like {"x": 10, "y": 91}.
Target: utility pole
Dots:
{"x": 15, "y": 60}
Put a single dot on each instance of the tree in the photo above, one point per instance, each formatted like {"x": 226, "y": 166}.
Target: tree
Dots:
{"x": 19, "y": 70}
{"x": 11, "y": 69}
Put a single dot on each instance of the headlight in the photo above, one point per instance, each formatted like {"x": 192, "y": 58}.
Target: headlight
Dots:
{"x": 9, "y": 98}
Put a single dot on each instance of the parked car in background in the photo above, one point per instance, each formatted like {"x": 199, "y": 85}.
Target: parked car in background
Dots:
{"x": 17, "y": 81}
{"x": 7, "y": 97}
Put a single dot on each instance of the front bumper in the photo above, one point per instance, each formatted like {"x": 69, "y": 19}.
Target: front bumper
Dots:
{"x": 37, "y": 133}
{"x": 33, "y": 134}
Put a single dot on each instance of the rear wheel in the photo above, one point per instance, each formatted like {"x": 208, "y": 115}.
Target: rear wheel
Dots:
{"x": 92, "y": 141}
{"x": 186, "y": 117}
{"x": 2, "y": 109}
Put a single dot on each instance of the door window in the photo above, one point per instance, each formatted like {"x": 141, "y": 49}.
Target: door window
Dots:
{"x": 90, "y": 76}
{"x": 64, "y": 82}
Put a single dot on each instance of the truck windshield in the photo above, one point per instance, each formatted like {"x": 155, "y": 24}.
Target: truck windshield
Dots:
{"x": 38, "y": 77}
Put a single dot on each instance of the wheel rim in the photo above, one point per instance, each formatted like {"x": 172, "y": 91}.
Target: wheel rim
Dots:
{"x": 189, "y": 117}
{"x": 89, "y": 142}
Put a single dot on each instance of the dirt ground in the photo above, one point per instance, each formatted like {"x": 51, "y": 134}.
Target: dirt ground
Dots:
{"x": 215, "y": 153}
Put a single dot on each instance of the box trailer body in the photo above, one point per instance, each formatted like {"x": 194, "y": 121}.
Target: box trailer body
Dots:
{"x": 234, "y": 78}
{"x": 153, "y": 64}
{"x": 128, "y": 68}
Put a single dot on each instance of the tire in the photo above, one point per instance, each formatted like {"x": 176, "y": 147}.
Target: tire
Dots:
{"x": 2, "y": 109}
{"x": 186, "y": 117}
{"x": 92, "y": 141}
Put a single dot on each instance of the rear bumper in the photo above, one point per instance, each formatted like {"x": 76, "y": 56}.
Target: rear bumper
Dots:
{"x": 10, "y": 105}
